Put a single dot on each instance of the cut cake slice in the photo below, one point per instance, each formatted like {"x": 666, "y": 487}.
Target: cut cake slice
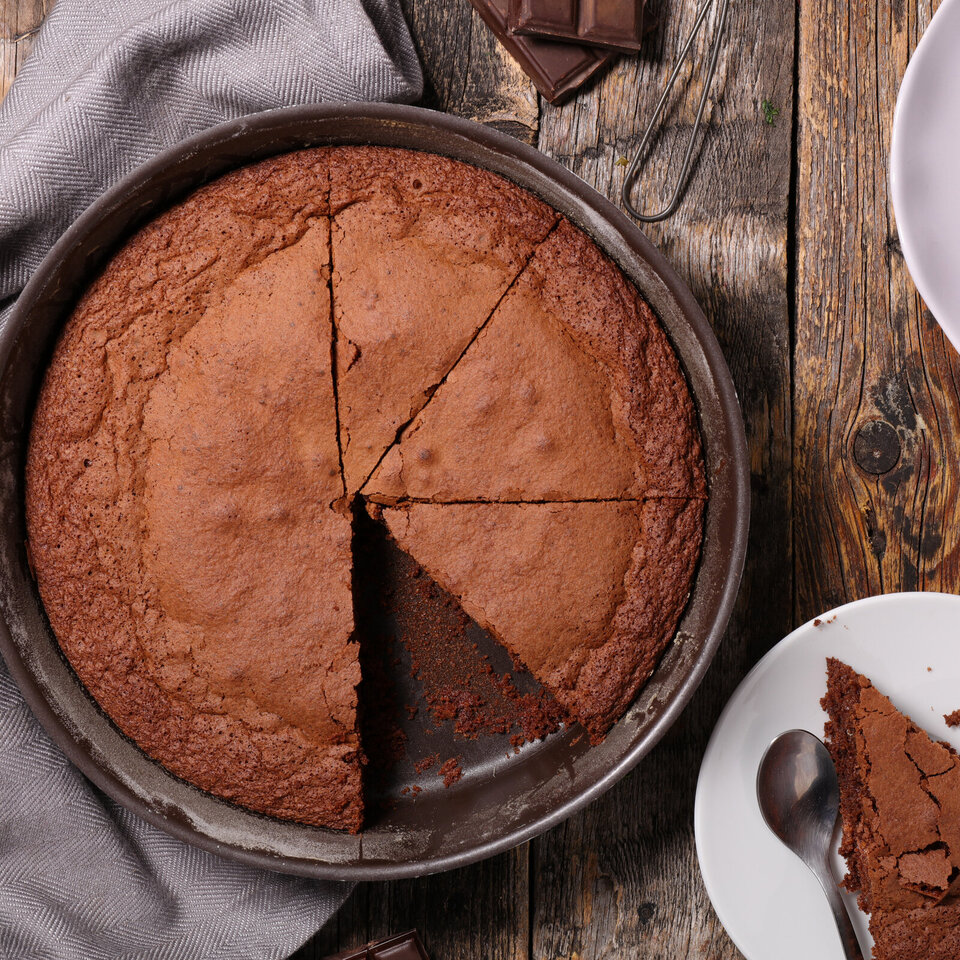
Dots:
{"x": 245, "y": 561}
{"x": 423, "y": 249}
{"x": 570, "y": 392}
{"x": 585, "y": 595}
{"x": 900, "y": 809}
{"x": 182, "y": 463}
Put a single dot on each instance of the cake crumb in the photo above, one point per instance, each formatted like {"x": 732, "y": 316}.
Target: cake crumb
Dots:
{"x": 817, "y": 622}
{"x": 886, "y": 765}
{"x": 421, "y": 766}
{"x": 451, "y": 771}
{"x": 952, "y": 719}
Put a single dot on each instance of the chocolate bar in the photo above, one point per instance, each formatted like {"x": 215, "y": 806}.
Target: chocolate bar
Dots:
{"x": 557, "y": 69}
{"x": 614, "y": 24}
{"x": 404, "y": 946}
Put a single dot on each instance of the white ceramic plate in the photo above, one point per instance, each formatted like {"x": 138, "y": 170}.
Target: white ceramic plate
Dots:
{"x": 769, "y": 902}
{"x": 924, "y": 181}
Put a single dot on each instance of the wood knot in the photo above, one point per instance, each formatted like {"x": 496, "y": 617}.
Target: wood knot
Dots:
{"x": 876, "y": 447}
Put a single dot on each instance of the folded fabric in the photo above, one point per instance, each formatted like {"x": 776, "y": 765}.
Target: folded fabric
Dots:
{"x": 112, "y": 82}
{"x": 109, "y": 85}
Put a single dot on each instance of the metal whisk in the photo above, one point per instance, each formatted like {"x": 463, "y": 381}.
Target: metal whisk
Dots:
{"x": 634, "y": 168}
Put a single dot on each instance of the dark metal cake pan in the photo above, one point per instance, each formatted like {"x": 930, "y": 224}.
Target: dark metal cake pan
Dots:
{"x": 502, "y": 800}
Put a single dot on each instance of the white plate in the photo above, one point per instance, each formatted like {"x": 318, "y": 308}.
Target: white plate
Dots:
{"x": 769, "y": 902}
{"x": 924, "y": 181}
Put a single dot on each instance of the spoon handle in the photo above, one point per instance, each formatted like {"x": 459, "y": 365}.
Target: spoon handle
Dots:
{"x": 848, "y": 936}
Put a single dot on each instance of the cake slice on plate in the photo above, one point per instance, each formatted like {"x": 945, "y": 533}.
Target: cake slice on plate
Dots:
{"x": 585, "y": 595}
{"x": 570, "y": 392}
{"x": 900, "y": 807}
{"x": 423, "y": 249}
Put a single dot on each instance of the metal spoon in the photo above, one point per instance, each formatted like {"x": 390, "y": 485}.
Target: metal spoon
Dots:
{"x": 799, "y": 798}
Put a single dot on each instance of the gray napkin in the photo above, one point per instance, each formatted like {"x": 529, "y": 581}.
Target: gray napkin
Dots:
{"x": 109, "y": 85}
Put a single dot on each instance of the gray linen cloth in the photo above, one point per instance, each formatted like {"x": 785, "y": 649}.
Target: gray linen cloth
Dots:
{"x": 108, "y": 85}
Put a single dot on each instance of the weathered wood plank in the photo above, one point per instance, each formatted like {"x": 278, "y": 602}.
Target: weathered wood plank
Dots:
{"x": 621, "y": 879}
{"x": 467, "y": 72}
{"x": 19, "y": 20}
{"x": 876, "y": 390}
{"x": 479, "y": 912}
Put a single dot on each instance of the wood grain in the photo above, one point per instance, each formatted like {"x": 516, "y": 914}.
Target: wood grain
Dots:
{"x": 621, "y": 879}
{"x": 870, "y": 361}
{"x": 478, "y": 912}
{"x": 467, "y": 72}
{"x": 19, "y": 22}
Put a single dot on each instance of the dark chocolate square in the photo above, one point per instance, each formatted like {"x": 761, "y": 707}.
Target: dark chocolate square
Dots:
{"x": 557, "y": 68}
{"x": 614, "y": 24}
{"x": 403, "y": 946}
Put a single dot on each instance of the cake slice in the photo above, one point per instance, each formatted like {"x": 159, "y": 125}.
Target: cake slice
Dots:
{"x": 900, "y": 810}
{"x": 182, "y": 468}
{"x": 586, "y": 596}
{"x": 253, "y": 605}
{"x": 423, "y": 249}
{"x": 571, "y": 392}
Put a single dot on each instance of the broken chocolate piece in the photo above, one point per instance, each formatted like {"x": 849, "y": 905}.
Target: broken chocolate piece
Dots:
{"x": 403, "y": 946}
{"x": 558, "y": 69}
{"x": 615, "y": 24}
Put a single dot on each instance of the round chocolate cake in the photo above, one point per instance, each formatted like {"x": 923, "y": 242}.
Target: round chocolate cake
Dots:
{"x": 339, "y": 330}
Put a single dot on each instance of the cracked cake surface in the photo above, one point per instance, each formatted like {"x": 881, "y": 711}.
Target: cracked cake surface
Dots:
{"x": 570, "y": 392}
{"x": 423, "y": 249}
{"x": 900, "y": 811}
{"x": 184, "y": 442}
{"x": 229, "y": 381}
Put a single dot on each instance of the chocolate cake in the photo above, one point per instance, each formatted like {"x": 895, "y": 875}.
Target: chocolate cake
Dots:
{"x": 423, "y": 250}
{"x": 566, "y": 587}
{"x": 900, "y": 809}
{"x": 234, "y": 377}
{"x": 570, "y": 392}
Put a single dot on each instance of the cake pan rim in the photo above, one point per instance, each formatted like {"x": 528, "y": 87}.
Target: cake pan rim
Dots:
{"x": 286, "y": 119}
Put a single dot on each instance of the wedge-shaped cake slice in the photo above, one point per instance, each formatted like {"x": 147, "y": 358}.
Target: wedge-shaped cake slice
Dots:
{"x": 900, "y": 806}
{"x": 248, "y": 561}
{"x": 423, "y": 249}
{"x": 585, "y": 595}
{"x": 570, "y": 392}
{"x": 187, "y": 554}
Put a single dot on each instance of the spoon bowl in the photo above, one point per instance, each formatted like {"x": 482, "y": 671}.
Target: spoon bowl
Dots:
{"x": 799, "y": 794}
{"x": 799, "y": 797}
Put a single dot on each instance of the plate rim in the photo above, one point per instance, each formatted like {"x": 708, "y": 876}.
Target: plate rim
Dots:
{"x": 947, "y": 319}
{"x": 795, "y": 636}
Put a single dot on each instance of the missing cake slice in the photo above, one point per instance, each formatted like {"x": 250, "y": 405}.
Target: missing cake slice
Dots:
{"x": 585, "y": 595}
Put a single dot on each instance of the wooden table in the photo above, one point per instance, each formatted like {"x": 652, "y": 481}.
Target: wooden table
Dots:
{"x": 848, "y": 387}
